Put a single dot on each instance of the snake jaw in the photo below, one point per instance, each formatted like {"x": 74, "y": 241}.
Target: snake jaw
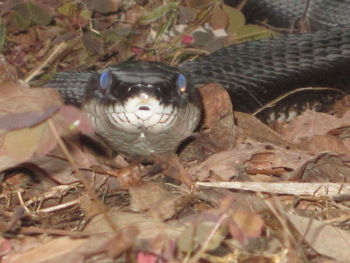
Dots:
{"x": 142, "y": 114}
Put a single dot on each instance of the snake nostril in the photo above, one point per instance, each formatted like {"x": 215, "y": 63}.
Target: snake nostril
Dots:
{"x": 144, "y": 108}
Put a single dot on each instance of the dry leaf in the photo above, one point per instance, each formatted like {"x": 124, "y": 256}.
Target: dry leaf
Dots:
{"x": 219, "y": 18}
{"x": 146, "y": 196}
{"x": 244, "y": 225}
{"x": 312, "y": 123}
{"x": 327, "y": 240}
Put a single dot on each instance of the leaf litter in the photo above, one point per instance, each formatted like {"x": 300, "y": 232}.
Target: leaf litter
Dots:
{"x": 66, "y": 197}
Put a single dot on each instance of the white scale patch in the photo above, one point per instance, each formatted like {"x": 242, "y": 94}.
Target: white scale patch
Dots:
{"x": 142, "y": 113}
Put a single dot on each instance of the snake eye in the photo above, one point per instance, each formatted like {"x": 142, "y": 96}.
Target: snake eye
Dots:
{"x": 105, "y": 80}
{"x": 181, "y": 83}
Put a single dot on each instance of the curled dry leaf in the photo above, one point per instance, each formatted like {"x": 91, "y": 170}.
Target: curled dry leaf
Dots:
{"x": 216, "y": 104}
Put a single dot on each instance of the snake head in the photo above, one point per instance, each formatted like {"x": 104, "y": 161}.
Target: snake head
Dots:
{"x": 142, "y": 108}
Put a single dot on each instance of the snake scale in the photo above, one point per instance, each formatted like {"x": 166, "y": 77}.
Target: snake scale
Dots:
{"x": 143, "y": 108}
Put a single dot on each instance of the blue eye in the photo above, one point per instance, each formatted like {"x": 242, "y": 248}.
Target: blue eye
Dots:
{"x": 181, "y": 83}
{"x": 105, "y": 80}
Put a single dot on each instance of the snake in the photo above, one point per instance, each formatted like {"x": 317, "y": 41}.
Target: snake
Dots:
{"x": 142, "y": 108}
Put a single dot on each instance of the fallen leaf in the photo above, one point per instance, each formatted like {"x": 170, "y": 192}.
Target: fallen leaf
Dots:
{"x": 326, "y": 239}
{"x": 326, "y": 168}
{"x": 199, "y": 233}
{"x": 236, "y": 19}
{"x": 225, "y": 165}
{"x": 219, "y": 18}
{"x": 146, "y": 196}
{"x": 244, "y": 225}
{"x": 26, "y": 119}
{"x": 55, "y": 250}
{"x": 103, "y": 6}
{"x": 23, "y": 144}
{"x": 311, "y": 123}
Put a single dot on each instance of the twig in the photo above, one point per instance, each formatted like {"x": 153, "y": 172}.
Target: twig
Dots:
{"x": 36, "y": 71}
{"x": 59, "y": 207}
{"x": 288, "y": 188}
{"x": 58, "y": 232}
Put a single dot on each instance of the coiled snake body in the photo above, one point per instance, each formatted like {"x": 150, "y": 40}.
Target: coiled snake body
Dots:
{"x": 142, "y": 108}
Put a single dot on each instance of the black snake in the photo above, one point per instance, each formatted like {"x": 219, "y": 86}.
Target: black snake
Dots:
{"x": 142, "y": 108}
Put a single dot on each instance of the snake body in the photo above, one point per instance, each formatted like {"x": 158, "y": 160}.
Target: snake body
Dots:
{"x": 128, "y": 103}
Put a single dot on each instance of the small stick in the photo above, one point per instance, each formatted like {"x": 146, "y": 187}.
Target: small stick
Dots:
{"x": 36, "y": 71}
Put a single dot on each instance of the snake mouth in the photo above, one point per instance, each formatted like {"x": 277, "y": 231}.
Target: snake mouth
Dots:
{"x": 143, "y": 113}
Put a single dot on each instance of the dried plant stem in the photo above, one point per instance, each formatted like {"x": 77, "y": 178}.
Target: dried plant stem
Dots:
{"x": 58, "y": 49}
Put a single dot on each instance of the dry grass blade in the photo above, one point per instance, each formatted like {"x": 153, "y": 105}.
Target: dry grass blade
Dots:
{"x": 310, "y": 189}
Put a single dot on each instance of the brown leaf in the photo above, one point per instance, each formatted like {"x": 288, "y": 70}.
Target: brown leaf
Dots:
{"x": 245, "y": 225}
{"x": 311, "y": 123}
{"x": 149, "y": 228}
{"x": 103, "y": 6}
{"x": 226, "y": 165}
{"x": 27, "y": 106}
{"x": 327, "y": 143}
{"x": 52, "y": 251}
{"x": 327, "y": 240}
{"x": 326, "y": 168}
{"x": 197, "y": 234}
{"x": 146, "y": 196}
{"x": 24, "y": 143}
{"x": 121, "y": 242}
{"x": 216, "y": 104}
{"x": 15, "y": 98}
{"x": 257, "y": 130}
{"x": 219, "y": 18}
{"x": 218, "y": 117}
{"x": 93, "y": 44}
